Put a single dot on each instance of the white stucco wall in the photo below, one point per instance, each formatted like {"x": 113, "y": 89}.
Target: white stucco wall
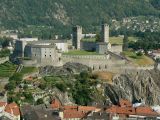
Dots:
{"x": 62, "y": 46}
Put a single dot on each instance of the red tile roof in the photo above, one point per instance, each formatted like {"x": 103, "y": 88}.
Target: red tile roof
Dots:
{"x": 70, "y": 107}
{"x": 55, "y": 104}
{"x": 68, "y": 114}
{"x": 121, "y": 110}
{"x": 125, "y": 103}
{"x": 126, "y": 108}
{"x": 12, "y": 109}
{"x": 86, "y": 108}
{"x": 77, "y": 111}
{"x": 145, "y": 111}
{"x": 3, "y": 104}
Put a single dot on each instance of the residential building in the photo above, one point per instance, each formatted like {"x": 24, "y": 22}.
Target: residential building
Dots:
{"x": 10, "y": 111}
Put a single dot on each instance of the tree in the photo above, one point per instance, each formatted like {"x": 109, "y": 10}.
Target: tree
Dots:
{"x": 98, "y": 37}
{"x": 10, "y": 86}
{"x": 42, "y": 86}
{"x": 125, "y": 42}
{"x": 139, "y": 54}
{"x": 17, "y": 77}
{"x": 39, "y": 101}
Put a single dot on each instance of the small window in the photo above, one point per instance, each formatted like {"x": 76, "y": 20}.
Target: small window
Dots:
{"x": 50, "y": 56}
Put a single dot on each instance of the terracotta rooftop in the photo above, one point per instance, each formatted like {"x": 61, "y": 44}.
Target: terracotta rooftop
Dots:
{"x": 125, "y": 103}
{"x": 125, "y": 108}
{"x": 2, "y": 104}
{"x": 145, "y": 111}
{"x": 77, "y": 111}
{"x": 70, "y": 107}
{"x": 86, "y": 108}
{"x": 12, "y": 109}
{"x": 73, "y": 114}
{"x": 55, "y": 104}
{"x": 121, "y": 110}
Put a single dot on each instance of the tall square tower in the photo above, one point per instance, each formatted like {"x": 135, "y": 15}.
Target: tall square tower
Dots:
{"x": 105, "y": 33}
{"x": 77, "y": 36}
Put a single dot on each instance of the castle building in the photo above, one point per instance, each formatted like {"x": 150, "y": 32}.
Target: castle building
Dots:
{"x": 20, "y": 45}
{"x": 41, "y": 53}
{"x": 44, "y": 54}
{"x": 33, "y": 52}
{"x": 77, "y": 36}
{"x": 100, "y": 47}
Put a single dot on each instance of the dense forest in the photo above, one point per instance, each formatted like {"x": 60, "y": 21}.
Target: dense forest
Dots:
{"x": 146, "y": 41}
{"x": 64, "y": 13}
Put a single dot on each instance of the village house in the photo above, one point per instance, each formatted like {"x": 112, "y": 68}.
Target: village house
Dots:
{"x": 125, "y": 110}
{"x": 10, "y": 111}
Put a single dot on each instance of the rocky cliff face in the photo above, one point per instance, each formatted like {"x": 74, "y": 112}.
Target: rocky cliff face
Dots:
{"x": 67, "y": 69}
{"x": 136, "y": 86}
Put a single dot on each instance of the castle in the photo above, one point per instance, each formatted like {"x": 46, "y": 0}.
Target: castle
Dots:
{"x": 101, "y": 47}
{"x": 34, "y": 52}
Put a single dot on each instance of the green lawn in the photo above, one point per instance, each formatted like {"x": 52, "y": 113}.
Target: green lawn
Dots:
{"x": 113, "y": 40}
{"x": 138, "y": 60}
{"x": 7, "y": 69}
{"x": 27, "y": 70}
{"x": 89, "y": 39}
{"x": 80, "y": 52}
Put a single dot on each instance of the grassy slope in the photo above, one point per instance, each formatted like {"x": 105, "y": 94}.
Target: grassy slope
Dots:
{"x": 7, "y": 69}
{"x": 138, "y": 60}
{"x": 80, "y": 52}
{"x": 27, "y": 70}
{"x": 113, "y": 40}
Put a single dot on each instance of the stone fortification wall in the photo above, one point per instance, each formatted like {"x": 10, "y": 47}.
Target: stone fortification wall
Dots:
{"x": 116, "y": 49}
{"x": 89, "y": 46}
{"x": 29, "y": 63}
{"x": 4, "y": 59}
{"x": 86, "y": 57}
{"x": 95, "y": 62}
{"x": 103, "y": 63}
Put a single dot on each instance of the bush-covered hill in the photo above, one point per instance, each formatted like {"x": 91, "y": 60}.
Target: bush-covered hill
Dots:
{"x": 60, "y": 13}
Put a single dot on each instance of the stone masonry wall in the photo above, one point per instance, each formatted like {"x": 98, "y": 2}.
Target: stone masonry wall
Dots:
{"x": 95, "y": 62}
{"x": 103, "y": 63}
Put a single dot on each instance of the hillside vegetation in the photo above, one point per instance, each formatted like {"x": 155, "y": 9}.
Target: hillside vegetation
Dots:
{"x": 62, "y": 13}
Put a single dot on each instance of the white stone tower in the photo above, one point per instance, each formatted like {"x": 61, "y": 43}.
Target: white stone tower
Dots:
{"x": 105, "y": 33}
{"x": 77, "y": 36}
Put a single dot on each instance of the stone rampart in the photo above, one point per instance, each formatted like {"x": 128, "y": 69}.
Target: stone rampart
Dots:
{"x": 103, "y": 63}
{"x": 95, "y": 62}
{"x": 29, "y": 63}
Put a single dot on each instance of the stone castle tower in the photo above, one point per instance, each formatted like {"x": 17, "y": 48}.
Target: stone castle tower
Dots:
{"x": 105, "y": 33}
{"x": 77, "y": 36}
